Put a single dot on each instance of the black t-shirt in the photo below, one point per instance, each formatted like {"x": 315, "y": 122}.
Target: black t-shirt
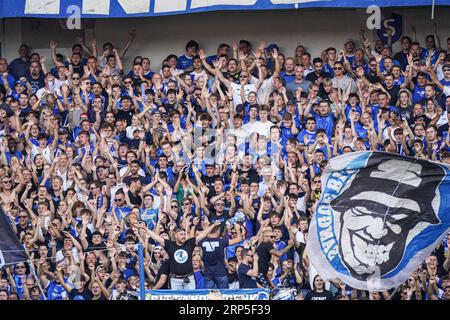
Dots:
{"x": 313, "y": 295}
{"x": 312, "y": 76}
{"x": 245, "y": 282}
{"x": 135, "y": 199}
{"x": 443, "y": 130}
{"x": 394, "y": 94}
{"x": 125, "y": 115}
{"x": 251, "y": 174}
{"x": 102, "y": 297}
{"x": 372, "y": 77}
{"x": 263, "y": 252}
{"x": 213, "y": 256}
{"x": 163, "y": 269}
{"x": 37, "y": 83}
{"x": 406, "y": 113}
{"x": 209, "y": 181}
{"x": 80, "y": 295}
{"x": 180, "y": 256}
{"x": 232, "y": 277}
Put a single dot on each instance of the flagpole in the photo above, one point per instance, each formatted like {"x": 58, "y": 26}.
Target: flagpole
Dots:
{"x": 141, "y": 272}
{"x": 38, "y": 281}
{"x": 432, "y": 9}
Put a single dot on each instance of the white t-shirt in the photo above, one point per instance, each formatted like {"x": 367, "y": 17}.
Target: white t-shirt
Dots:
{"x": 237, "y": 92}
{"x": 58, "y": 84}
{"x": 260, "y": 127}
{"x": 124, "y": 169}
{"x": 241, "y": 135}
{"x": 199, "y": 74}
{"x": 60, "y": 256}
{"x": 265, "y": 90}
{"x": 41, "y": 92}
{"x": 46, "y": 153}
{"x": 446, "y": 91}
{"x": 308, "y": 71}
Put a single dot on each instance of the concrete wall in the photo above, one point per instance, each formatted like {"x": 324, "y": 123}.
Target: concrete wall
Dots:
{"x": 158, "y": 36}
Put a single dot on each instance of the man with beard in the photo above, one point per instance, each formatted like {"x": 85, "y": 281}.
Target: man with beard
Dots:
{"x": 53, "y": 287}
{"x": 35, "y": 76}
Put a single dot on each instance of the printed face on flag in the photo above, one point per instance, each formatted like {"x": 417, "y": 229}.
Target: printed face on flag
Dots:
{"x": 381, "y": 211}
{"x": 378, "y": 215}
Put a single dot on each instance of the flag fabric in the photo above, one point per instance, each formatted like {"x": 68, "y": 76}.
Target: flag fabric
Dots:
{"x": 379, "y": 216}
{"x": 395, "y": 24}
{"x": 148, "y": 8}
{"x": 11, "y": 251}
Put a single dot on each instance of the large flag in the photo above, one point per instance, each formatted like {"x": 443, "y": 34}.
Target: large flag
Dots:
{"x": 379, "y": 216}
{"x": 142, "y": 8}
{"x": 11, "y": 251}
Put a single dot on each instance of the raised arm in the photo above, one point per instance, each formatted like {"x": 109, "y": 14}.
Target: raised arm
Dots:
{"x": 220, "y": 76}
{"x": 207, "y": 231}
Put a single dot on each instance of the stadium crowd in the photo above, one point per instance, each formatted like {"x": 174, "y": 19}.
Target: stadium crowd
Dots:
{"x": 213, "y": 163}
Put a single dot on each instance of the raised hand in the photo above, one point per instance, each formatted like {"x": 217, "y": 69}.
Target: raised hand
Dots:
{"x": 275, "y": 53}
{"x": 201, "y": 54}
{"x": 53, "y": 44}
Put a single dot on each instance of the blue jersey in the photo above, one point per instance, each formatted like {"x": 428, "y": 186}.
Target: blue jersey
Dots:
{"x": 213, "y": 256}
{"x": 121, "y": 213}
{"x": 329, "y": 69}
{"x": 11, "y": 81}
{"x": 311, "y": 137}
{"x": 349, "y": 108}
{"x": 199, "y": 280}
{"x": 280, "y": 245}
{"x": 426, "y": 53}
{"x": 324, "y": 122}
{"x": 150, "y": 216}
{"x": 418, "y": 94}
{"x": 286, "y": 133}
{"x": 287, "y": 77}
{"x": 350, "y": 58}
{"x": 184, "y": 62}
{"x": 55, "y": 291}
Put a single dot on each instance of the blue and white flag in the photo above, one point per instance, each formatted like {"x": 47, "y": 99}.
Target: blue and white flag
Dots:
{"x": 208, "y": 294}
{"x": 395, "y": 24}
{"x": 141, "y": 8}
{"x": 380, "y": 215}
{"x": 11, "y": 251}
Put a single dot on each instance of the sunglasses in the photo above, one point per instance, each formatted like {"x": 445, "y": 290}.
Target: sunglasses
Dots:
{"x": 75, "y": 78}
{"x": 23, "y": 217}
{"x": 128, "y": 82}
{"x": 219, "y": 204}
{"x": 9, "y": 181}
{"x": 337, "y": 68}
{"x": 174, "y": 206}
{"x": 20, "y": 267}
{"x": 116, "y": 200}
